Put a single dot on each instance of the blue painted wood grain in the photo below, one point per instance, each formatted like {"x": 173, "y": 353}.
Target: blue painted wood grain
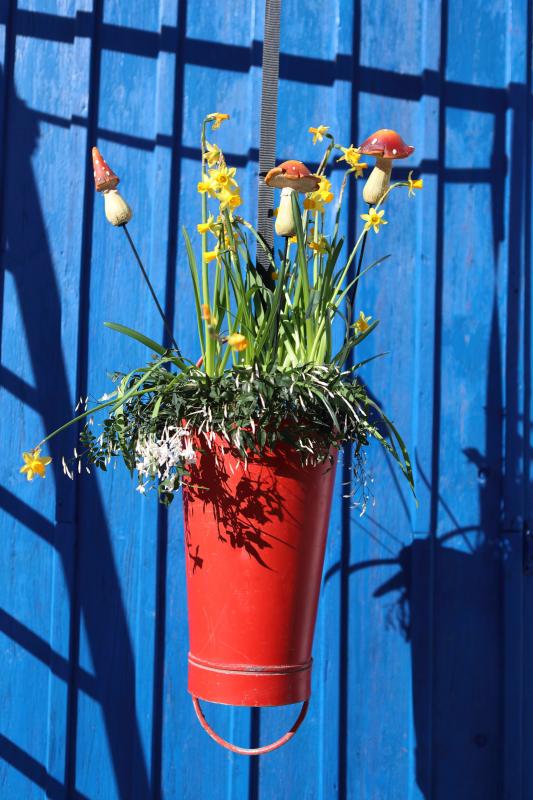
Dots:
{"x": 423, "y": 642}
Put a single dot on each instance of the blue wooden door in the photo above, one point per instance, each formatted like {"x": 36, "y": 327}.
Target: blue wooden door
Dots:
{"x": 423, "y": 645}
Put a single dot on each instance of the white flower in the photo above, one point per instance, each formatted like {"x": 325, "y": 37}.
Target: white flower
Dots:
{"x": 159, "y": 457}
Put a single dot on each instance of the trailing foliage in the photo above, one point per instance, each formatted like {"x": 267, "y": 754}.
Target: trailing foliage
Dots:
{"x": 312, "y": 408}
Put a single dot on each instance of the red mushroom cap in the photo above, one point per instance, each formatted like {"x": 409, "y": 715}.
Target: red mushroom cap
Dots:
{"x": 104, "y": 177}
{"x": 386, "y": 144}
{"x": 292, "y": 175}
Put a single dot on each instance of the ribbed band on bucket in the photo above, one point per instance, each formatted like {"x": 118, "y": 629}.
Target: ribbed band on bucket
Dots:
{"x": 249, "y": 684}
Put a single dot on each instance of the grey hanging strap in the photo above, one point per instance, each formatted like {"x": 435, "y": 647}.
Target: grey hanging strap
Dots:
{"x": 267, "y": 136}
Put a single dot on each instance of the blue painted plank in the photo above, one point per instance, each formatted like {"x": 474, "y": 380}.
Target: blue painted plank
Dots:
{"x": 41, "y": 259}
{"x": 229, "y": 88}
{"x": 514, "y": 310}
{"x": 118, "y": 544}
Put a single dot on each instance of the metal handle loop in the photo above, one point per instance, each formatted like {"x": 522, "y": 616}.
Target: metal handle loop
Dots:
{"x": 252, "y": 751}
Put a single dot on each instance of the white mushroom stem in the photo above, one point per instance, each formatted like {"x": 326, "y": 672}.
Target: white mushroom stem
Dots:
{"x": 285, "y": 220}
{"x": 117, "y": 211}
{"x": 378, "y": 181}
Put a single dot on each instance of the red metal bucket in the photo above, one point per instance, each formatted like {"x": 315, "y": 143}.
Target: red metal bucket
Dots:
{"x": 255, "y": 537}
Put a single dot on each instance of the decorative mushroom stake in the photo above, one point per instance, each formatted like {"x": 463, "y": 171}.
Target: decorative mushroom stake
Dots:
{"x": 291, "y": 176}
{"x": 117, "y": 211}
{"x": 385, "y": 145}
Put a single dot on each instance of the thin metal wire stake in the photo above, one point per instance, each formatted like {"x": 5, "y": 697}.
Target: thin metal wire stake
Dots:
{"x": 152, "y": 292}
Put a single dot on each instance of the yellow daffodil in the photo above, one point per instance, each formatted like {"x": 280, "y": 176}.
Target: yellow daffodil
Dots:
{"x": 207, "y": 185}
{"x": 35, "y": 463}
{"x": 224, "y": 177}
{"x": 418, "y": 183}
{"x": 323, "y": 192}
{"x": 374, "y": 219}
{"x": 361, "y": 324}
{"x": 321, "y": 246}
{"x": 206, "y": 312}
{"x": 229, "y": 199}
{"x": 313, "y": 204}
{"x": 316, "y": 200}
{"x": 237, "y": 341}
{"x": 275, "y": 212}
{"x": 352, "y": 156}
{"x": 211, "y": 255}
{"x": 217, "y": 119}
{"x": 318, "y": 133}
{"x": 209, "y": 226}
{"x": 274, "y": 274}
{"x": 213, "y": 154}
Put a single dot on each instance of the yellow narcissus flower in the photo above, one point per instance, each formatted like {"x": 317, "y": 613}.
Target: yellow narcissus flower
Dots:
{"x": 209, "y": 226}
{"x": 418, "y": 183}
{"x": 224, "y": 177}
{"x": 318, "y": 133}
{"x": 213, "y": 154}
{"x": 34, "y": 463}
{"x": 323, "y": 192}
{"x": 237, "y": 341}
{"x": 374, "y": 219}
{"x": 359, "y": 169}
{"x": 361, "y": 324}
{"x": 293, "y": 239}
{"x": 206, "y": 312}
{"x": 321, "y": 246}
{"x": 313, "y": 204}
{"x": 274, "y": 274}
{"x": 207, "y": 185}
{"x": 229, "y": 199}
{"x": 315, "y": 201}
{"x": 211, "y": 255}
{"x": 217, "y": 119}
{"x": 352, "y": 156}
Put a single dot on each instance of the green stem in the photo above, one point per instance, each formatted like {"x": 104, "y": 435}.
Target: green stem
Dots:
{"x": 114, "y": 402}
{"x": 152, "y": 291}
{"x": 281, "y": 302}
{"x": 208, "y": 361}
{"x": 358, "y": 272}
{"x": 325, "y": 157}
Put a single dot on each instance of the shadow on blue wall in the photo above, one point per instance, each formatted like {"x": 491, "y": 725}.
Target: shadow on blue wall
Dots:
{"x": 457, "y": 716}
{"x": 113, "y": 685}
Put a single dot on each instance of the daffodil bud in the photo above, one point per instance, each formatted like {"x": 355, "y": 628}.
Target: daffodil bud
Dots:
{"x": 117, "y": 211}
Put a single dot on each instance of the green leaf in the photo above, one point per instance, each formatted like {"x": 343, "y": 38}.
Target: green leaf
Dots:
{"x": 191, "y": 259}
{"x": 405, "y": 464}
{"x": 139, "y": 337}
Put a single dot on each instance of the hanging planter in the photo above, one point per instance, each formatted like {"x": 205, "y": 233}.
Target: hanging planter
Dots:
{"x": 251, "y": 426}
{"x": 255, "y": 537}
